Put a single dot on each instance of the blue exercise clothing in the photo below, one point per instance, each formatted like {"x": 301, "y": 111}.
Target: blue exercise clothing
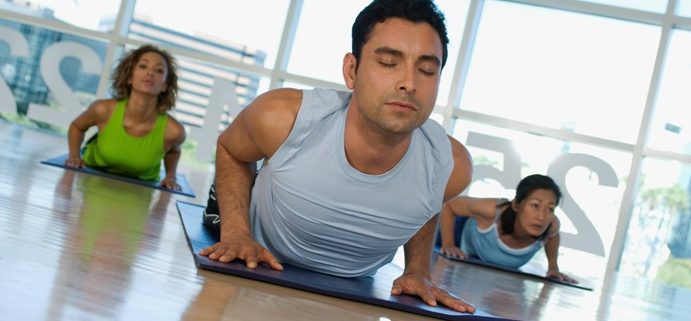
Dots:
{"x": 486, "y": 244}
{"x": 313, "y": 210}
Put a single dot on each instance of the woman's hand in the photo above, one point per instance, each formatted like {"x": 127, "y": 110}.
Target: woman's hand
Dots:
{"x": 452, "y": 251}
{"x": 74, "y": 162}
{"x": 555, "y": 274}
{"x": 170, "y": 182}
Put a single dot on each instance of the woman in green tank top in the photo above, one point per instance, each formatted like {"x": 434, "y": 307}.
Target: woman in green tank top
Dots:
{"x": 135, "y": 131}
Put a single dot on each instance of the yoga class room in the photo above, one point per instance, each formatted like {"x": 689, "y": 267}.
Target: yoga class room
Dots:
{"x": 361, "y": 160}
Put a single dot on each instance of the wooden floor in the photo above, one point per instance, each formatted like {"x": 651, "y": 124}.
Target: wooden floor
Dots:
{"x": 79, "y": 247}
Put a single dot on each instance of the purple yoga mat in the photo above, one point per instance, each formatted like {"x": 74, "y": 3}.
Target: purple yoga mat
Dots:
{"x": 185, "y": 189}
{"x": 374, "y": 290}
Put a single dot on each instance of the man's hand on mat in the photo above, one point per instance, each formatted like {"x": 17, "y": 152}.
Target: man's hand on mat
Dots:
{"x": 555, "y": 274}
{"x": 74, "y": 162}
{"x": 430, "y": 293}
{"x": 242, "y": 248}
{"x": 452, "y": 251}
{"x": 170, "y": 182}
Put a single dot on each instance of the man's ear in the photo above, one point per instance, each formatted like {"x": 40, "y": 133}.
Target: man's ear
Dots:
{"x": 349, "y": 66}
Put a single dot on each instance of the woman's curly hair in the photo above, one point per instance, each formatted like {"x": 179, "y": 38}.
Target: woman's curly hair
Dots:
{"x": 121, "y": 88}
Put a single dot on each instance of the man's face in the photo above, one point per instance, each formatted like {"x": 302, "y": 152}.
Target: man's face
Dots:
{"x": 397, "y": 78}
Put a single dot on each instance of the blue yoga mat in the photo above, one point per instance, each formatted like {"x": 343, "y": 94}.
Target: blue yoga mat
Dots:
{"x": 185, "y": 188}
{"x": 374, "y": 290}
{"x": 522, "y": 270}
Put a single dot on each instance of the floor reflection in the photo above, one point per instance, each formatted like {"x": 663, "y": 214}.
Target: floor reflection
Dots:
{"x": 504, "y": 294}
{"x": 224, "y": 297}
{"x": 115, "y": 222}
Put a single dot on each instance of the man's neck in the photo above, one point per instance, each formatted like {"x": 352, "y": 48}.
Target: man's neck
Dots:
{"x": 370, "y": 149}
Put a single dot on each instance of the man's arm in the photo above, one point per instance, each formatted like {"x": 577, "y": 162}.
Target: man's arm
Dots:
{"x": 255, "y": 134}
{"x": 419, "y": 249}
{"x": 462, "y": 173}
{"x": 416, "y": 278}
{"x": 233, "y": 181}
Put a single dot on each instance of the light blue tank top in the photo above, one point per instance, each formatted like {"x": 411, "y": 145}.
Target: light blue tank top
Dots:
{"x": 312, "y": 210}
{"x": 486, "y": 244}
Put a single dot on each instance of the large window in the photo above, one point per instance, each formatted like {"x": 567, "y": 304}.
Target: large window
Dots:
{"x": 592, "y": 181}
{"x": 684, "y": 7}
{"x": 658, "y": 6}
{"x": 84, "y": 14}
{"x": 256, "y": 24}
{"x": 658, "y": 243}
{"x": 47, "y": 77}
{"x": 456, "y": 12}
{"x": 671, "y": 126}
{"x": 561, "y": 70}
{"x": 322, "y": 40}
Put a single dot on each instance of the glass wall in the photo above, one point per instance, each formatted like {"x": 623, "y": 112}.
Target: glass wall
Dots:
{"x": 558, "y": 69}
{"x": 47, "y": 76}
{"x": 657, "y": 6}
{"x": 658, "y": 242}
{"x": 671, "y": 126}
{"x": 601, "y": 84}
{"x": 592, "y": 180}
{"x": 255, "y": 25}
{"x": 684, "y": 8}
{"x": 83, "y": 14}
{"x": 323, "y": 61}
{"x": 592, "y": 93}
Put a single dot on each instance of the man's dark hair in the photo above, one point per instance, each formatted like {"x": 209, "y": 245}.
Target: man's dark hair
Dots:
{"x": 411, "y": 10}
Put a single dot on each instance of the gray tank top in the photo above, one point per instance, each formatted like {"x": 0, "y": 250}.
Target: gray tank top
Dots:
{"x": 313, "y": 210}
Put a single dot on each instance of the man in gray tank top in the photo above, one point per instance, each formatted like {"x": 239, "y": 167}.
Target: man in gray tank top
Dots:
{"x": 347, "y": 177}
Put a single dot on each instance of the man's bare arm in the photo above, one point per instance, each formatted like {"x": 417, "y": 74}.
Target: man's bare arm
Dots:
{"x": 462, "y": 173}
{"x": 416, "y": 278}
{"x": 255, "y": 134}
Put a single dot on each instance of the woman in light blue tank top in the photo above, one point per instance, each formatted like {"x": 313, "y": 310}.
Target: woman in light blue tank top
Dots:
{"x": 503, "y": 232}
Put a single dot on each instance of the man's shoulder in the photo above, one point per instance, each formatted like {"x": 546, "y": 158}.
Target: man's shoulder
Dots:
{"x": 275, "y": 105}
{"x": 280, "y": 98}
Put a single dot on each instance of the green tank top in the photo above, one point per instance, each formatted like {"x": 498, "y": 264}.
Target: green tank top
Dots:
{"x": 117, "y": 152}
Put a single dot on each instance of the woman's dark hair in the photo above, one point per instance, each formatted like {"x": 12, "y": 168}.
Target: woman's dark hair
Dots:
{"x": 121, "y": 88}
{"x": 526, "y": 187}
{"x": 411, "y": 10}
